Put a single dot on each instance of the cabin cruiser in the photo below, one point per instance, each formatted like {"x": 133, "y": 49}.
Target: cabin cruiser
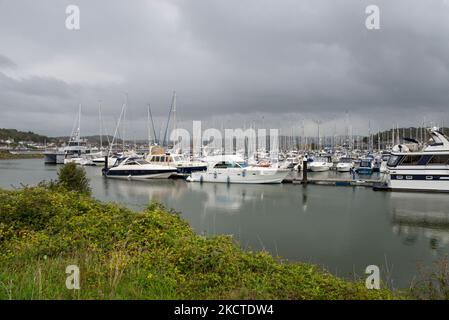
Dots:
{"x": 425, "y": 168}
{"x": 319, "y": 164}
{"x": 212, "y": 159}
{"x": 134, "y": 168}
{"x": 183, "y": 165}
{"x": 158, "y": 156}
{"x": 366, "y": 165}
{"x": 100, "y": 161}
{"x": 233, "y": 172}
{"x": 74, "y": 151}
{"x": 345, "y": 164}
{"x": 292, "y": 162}
{"x": 85, "y": 159}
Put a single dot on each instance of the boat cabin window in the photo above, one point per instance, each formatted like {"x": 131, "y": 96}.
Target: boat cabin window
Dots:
{"x": 393, "y": 161}
{"x": 365, "y": 163}
{"x": 411, "y": 160}
{"x": 439, "y": 159}
{"x": 225, "y": 165}
{"x": 161, "y": 159}
{"x": 134, "y": 162}
{"x": 77, "y": 144}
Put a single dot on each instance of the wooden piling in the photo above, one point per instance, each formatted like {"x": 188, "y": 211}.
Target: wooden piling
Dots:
{"x": 304, "y": 172}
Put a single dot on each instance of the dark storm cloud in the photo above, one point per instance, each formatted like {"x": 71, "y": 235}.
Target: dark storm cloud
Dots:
{"x": 243, "y": 61}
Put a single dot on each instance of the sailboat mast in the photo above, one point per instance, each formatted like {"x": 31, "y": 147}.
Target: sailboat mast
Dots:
{"x": 101, "y": 124}
{"x": 124, "y": 122}
{"x": 168, "y": 119}
{"x": 117, "y": 129}
{"x": 174, "y": 114}
{"x": 79, "y": 125}
{"x": 152, "y": 124}
{"x": 148, "y": 128}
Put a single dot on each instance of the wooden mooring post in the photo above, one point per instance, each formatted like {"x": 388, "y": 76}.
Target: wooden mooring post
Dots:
{"x": 304, "y": 172}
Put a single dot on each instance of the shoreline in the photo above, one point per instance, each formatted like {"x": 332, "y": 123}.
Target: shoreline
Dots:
{"x": 19, "y": 156}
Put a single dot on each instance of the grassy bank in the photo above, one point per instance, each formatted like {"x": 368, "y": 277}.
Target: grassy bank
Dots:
{"x": 152, "y": 254}
{"x": 4, "y": 155}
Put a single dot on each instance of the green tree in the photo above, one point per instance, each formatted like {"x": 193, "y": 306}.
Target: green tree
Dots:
{"x": 72, "y": 177}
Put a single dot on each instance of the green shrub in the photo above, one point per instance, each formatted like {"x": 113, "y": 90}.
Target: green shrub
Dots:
{"x": 73, "y": 178}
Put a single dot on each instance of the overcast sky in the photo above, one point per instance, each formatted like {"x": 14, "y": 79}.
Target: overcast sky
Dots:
{"x": 231, "y": 62}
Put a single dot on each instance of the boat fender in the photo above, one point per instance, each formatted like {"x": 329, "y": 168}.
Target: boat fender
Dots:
{"x": 201, "y": 179}
{"x": 228, "y": 179}
{"x": 215, "y": 175}
{"x": 243, "y": 173}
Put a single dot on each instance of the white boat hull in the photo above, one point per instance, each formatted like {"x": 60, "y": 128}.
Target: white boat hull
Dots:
{"x": 441, "y": 186}
{"x": 425, "y": 180}
{"x": 344, "y": 167}
{"x": 245, "y": 176}
{"x": 425, "y": 170}
{"x": 318, "y": 167}
{"x": 130, "y": 170}
{"x": 164, "y": 175}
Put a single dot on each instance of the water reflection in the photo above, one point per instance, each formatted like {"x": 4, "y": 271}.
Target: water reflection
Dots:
{"x": 225, "y": 198}
{"x": 415, "y": 214}
{"x": 304, "y": 201}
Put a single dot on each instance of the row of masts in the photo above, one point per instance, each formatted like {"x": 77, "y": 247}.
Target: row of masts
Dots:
{"x": 380, "y": 140}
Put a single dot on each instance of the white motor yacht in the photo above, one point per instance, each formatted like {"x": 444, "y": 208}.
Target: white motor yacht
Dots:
{"x": 345, "y": 164}
{"x": 421, "y": 169}
{"x": 179, "y": 161}
{"x": 319, "y": 164}
{"x": 232, "y": 172}
{"x": 139, "y": 169}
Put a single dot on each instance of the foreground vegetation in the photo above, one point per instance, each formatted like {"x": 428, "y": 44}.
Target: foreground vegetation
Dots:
{"x": 152, "y": 254}
{"x": 4, "y": 155}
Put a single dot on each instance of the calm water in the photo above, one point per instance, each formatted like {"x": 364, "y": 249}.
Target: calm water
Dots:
{"x": 341, "y": 228}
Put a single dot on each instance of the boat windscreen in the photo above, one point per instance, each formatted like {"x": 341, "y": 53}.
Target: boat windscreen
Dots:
{"x": 393, "y": 161}
{"x": 365, "y": 163}
{"x": 142, "y": 162}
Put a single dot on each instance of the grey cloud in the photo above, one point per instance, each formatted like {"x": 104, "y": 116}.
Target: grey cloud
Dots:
{"x": 5, "y": 62}
{"x": 286, "y": 60}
